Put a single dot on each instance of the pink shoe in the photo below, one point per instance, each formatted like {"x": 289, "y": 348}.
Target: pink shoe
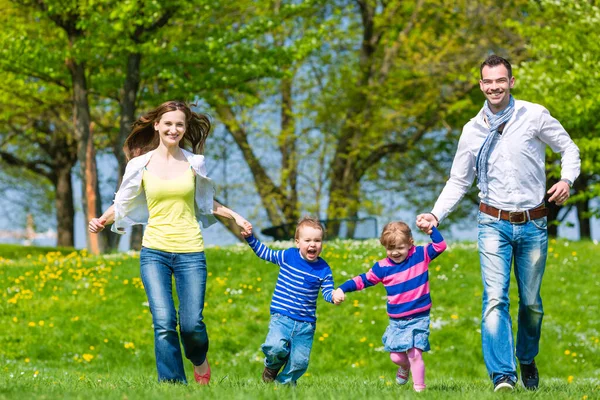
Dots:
{"x": 402, "y": 376}
{"x": 203, "y": 379}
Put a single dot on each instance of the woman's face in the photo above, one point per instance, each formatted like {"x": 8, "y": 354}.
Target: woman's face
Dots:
{"x": 171, "y": 127}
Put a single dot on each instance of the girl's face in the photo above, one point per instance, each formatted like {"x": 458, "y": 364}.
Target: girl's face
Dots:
{"x": 171, "y": 128}
{"x": 398, "y": 252}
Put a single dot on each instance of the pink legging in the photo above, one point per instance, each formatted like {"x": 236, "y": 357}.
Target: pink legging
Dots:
{"x": 412, "y": 359}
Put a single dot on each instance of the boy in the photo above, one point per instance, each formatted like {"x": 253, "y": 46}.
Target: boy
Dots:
{"x": 293, "y": 306}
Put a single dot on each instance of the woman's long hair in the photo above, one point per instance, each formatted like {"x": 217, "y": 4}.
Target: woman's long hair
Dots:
{"x": 143, "y": 138}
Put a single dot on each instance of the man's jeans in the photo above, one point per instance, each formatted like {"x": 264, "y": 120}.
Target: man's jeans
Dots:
{"x": 157, "y": 268}
{"x": 288, "y": 342}
{"x": 499, "y": 243}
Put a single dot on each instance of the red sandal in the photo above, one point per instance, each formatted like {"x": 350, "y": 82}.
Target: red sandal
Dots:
{"x": 203, "y": 379}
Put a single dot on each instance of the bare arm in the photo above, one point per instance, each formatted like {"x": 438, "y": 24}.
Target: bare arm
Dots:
{"x": 222, "y": 211}
{"x": 97, "y": 225}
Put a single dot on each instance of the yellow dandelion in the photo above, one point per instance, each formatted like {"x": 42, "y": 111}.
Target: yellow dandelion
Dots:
{"x": 438, "y": 268}
{"x": 15, "y": 319}
{"x": 259, "y": 279}
{"x": 126, "y": 282}
{"x": 74, "y": 292}
{"x": 51, "y": 325}
{"x": 574, "y": 253}
{"x": 229, "y": 301}
{"x": 567, "y": 352}
{"x": 76, "y": 318}
{"x": 321, "y": 339}
{"x": 27, "y": 360}
{"x": 41, "y": 323}
{"x": 570, "y": 379}
{"x": 31, "y": 324}
{"x": 129, "y": 345}
{"x": 326, "y": 335}
{"x": 224, "y": 320}
{"x": 105, "y": 340}
{"x": 88, "y": 357}
{"x": 573, "y": 354}
{"x": 92, "y": 347}
{"x": 363, "y": 339}
{"x": 258, "y": 289}
{"x": 454, "y": 316}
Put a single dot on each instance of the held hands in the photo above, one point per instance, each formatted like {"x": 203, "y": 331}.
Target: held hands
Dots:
{"x": 245, "y": 226}
{"x": 425, "y": 222}
{"x": 97, "y": 225}
{"x": 338, "y": 296}
{"x": 560, "y": 192}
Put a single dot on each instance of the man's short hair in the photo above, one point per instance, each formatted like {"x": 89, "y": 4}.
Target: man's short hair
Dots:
{"x": 494, "y": 61}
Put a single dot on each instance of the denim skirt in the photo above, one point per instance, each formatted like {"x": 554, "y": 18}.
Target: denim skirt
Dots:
{"x": 403, "y": 334}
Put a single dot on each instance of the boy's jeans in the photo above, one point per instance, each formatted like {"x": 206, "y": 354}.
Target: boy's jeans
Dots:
{"x": 157, "y": 268}
{"x": 288, "y": 342}
{"x": 501, "y": 242}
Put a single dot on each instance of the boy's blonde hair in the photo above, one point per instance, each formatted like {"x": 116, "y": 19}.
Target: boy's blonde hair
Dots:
{"x": 309, "y": 221}
{"x": 395, "y": 233}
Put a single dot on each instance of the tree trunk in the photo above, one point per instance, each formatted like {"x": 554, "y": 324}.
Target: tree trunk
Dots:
{"x": 85, "y": 147}
{"x": 65, "y": 209}
{"x": 583, "y": 216}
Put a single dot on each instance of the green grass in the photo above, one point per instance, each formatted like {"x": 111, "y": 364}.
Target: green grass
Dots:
{"x": 76, "y": 326}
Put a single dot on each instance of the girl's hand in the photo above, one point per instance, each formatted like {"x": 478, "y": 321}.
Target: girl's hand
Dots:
{"x": 338, "y": 296}
{"x": 97, "y": 225}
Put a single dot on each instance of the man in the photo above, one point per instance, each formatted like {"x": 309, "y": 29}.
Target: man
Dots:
{"x": 504, "y": 145}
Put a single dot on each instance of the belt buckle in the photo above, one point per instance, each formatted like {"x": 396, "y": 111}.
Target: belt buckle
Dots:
{"x": 521, "y": 217}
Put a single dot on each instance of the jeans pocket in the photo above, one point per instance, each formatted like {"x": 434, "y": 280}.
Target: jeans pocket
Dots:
{"x": 541, "y": 223}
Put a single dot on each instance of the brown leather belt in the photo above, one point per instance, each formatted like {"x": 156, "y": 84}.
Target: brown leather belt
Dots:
{"x": 515, "y": 217}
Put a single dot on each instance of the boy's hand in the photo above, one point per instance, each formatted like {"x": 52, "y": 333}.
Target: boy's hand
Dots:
{"x": 97, "y": 225}
{"x": 246, "y": 229}
{"x": 338, "y": 296}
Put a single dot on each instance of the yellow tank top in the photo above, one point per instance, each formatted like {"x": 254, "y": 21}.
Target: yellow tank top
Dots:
{"x": 172, "y": 226}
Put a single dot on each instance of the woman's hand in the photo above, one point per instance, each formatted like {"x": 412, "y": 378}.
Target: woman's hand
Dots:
{"x": 244, "y": 225}
{"x": 97, "y": 225}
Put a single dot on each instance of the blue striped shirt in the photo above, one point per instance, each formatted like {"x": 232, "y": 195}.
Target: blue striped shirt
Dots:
{"x": 298, "y": 282}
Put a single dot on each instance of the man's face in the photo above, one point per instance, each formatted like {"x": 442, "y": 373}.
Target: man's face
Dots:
{"x": 495, "y": 85}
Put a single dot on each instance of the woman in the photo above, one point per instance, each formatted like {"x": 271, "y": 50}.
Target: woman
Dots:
{"x": 166, "y": 187}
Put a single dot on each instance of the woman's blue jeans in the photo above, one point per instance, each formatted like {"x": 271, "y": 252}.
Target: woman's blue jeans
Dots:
{"x": 501, "y": 242}
{"x": 189, "y": 269}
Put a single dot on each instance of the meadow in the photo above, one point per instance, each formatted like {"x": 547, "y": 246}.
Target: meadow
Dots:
{"x": 76, "y": 326}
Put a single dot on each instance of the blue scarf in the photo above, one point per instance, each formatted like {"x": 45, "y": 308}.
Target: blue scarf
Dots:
{"x": 495, "y": 121}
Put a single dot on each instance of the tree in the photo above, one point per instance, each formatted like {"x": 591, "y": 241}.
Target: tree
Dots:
{"x": 561, "y": 73}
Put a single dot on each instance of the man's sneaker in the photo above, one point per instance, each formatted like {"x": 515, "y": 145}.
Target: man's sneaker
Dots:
{"x": 269, "y": 374}
{"x": 402, "y": 376}
{"x": 529, "y": 376}
{"x": 504, "y": 384}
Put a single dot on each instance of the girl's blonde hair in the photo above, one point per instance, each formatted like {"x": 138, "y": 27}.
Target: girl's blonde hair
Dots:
{"x": 395, "y": 233}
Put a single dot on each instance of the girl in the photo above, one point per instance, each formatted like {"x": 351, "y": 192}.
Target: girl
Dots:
{"x": 166, "y": 187}
{"x": 404, "y": 273}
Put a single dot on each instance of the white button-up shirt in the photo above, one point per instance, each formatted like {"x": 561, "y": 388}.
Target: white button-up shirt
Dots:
{"x": 131, "y": 206}
{"x": 516, "y": 164}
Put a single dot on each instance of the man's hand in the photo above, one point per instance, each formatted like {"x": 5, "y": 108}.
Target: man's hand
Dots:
{"x": 338, "y": 296}
{"x": 425, "y": 222}
{"x": 559, "y": 192}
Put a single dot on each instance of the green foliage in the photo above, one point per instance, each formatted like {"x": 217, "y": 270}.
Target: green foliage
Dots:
{"x": 79, "y": 326}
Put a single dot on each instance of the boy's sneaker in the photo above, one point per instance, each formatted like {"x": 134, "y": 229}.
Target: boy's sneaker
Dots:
{"x": 269, "y": 374}
{"x": 402, "y": 376}
{"x": 529, "y": 376}
{"x": 504, "y": 384}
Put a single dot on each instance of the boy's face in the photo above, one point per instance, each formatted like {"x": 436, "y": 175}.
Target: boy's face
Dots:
{"x": 310, "y": 242}
{"x": 398, "y": 252}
